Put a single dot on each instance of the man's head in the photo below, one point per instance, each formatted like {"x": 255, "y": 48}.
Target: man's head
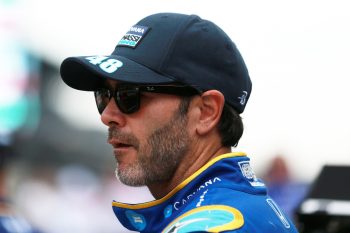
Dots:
{"x": 166, "y": 63}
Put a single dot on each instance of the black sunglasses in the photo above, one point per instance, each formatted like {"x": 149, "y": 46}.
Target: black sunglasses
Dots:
{"x": 127, "y": 96}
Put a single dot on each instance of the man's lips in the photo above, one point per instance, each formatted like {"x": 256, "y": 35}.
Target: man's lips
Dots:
{"x": 117, "y": 144}
{"x": 120, "y": 140}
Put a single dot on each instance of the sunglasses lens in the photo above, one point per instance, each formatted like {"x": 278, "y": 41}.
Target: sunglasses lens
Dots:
{"x": 102, "y": 97}
{"x": 128, "y": 99}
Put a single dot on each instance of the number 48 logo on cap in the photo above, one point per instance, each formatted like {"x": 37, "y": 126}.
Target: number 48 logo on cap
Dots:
{"x": 108, "y": 65}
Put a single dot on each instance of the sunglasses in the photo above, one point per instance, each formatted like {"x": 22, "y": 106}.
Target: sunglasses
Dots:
{"x": 127, "y": 96}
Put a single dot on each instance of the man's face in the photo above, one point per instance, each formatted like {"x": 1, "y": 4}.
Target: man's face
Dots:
{"x": 149, "y": 144}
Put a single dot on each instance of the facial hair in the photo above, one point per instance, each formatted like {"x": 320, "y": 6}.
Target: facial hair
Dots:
{"x": 158, "y": 158}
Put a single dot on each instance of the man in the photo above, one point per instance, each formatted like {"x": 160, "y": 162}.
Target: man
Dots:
{"x": 171, "y": 94}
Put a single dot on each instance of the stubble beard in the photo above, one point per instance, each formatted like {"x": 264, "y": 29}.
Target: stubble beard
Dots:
{"x": 158, "y": 159}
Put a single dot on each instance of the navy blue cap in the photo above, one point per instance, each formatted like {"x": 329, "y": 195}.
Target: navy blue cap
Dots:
{"x": 166, "y": 48}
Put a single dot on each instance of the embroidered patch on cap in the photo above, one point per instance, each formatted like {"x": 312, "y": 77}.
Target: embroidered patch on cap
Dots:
{"x": 133, "y": 36}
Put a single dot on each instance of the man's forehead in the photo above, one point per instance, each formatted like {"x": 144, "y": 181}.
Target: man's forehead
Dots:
{"x": 110, "y": 83}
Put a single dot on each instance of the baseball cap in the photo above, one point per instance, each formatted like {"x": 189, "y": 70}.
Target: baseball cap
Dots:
{"x": 168, "y": 48}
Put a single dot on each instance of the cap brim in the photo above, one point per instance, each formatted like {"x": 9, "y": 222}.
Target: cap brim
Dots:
{"x": 88, "y": 72}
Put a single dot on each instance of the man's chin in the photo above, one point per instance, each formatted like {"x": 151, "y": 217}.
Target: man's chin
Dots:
{"x": 130, "y": 176}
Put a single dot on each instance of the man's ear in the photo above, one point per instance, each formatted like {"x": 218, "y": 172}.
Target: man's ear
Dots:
{"x": 211, "y": 105}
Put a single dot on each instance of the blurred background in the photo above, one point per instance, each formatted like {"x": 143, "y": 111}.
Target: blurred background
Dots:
{"x": 57, "y": 171}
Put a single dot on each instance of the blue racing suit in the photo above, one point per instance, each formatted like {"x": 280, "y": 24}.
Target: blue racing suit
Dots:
{"x": 222, "y": 196}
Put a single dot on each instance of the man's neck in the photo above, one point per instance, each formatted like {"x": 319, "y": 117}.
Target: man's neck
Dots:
{"x": 190, "y": 165}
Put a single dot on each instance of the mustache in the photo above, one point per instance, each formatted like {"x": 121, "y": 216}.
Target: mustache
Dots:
{"x": 126, "y": 138}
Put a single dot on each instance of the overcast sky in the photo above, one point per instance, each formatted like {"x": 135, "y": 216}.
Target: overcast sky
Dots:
{"x": 297, "y": 53}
